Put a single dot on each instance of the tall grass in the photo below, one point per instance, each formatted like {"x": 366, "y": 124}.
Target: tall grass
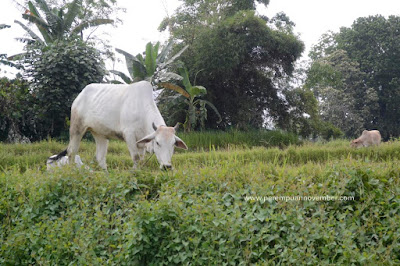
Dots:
{"x": 220, "y": 140}
{"x": 34, "y": 155}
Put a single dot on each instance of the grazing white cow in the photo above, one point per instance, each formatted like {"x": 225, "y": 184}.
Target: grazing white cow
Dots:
{"x": 366, "y": 139}
{"x": 125, "y": 112}
{"x": 52, "y": 162}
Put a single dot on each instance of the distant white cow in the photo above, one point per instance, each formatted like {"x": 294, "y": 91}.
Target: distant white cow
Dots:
{"x": 52, "y": 162}
{"x": 126, "y": 112}
{"x": 366, "y": 139}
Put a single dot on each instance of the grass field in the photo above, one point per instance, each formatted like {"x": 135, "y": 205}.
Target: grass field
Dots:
{"x": 225, "y": 204}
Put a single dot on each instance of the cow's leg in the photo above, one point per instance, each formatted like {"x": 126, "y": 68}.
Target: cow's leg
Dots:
{"x": 133, "y": 149}
{"x": 141, "y": 151}
{"x": 101, "y": 149}
{"x": 76, "y": 132}
{"x": 73, "y": 147}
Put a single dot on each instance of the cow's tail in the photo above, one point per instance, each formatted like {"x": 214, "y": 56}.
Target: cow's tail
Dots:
{"x": 58, "y": 156}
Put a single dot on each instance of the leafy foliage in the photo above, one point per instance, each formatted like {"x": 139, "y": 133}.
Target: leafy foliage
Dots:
{"x": 304, "y": 118}
{"x": 55, "y": 24}
{"x": 337, "y": 82}
{"x": 59, "y": 71}
{"x": 360, "y": 66}
{"x": 238, "y": 59}
{"x": 196, "y": 112}
{"x": 16, "y": 116}
{"x": 153, "y": 67}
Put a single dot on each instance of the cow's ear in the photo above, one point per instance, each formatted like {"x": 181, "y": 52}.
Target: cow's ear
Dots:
{"x": 147, "y": 138}
{"x": 180, "y": 144}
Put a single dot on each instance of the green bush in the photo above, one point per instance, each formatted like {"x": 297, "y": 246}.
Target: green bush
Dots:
{"x": 58, "y": 72}
{"x": 15, "y": 109}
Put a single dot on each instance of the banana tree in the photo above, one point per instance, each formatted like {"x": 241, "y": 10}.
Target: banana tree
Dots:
{"x": 152, "y": 67}
{"x": 196, "y": 108}
{"x": 56, "y": 23}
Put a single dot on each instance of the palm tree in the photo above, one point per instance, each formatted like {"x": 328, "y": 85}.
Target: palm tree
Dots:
{"x": 56, "y": 23}
{"x": 152, "y": 67}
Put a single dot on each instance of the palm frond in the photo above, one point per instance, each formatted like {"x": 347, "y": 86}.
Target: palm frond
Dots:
{"x": 11, "y": 64}
{"x": 167, "y": 76}
{"x": 164, "y": 52}
{"x": 92, "y": 23}
{"x": 122, "y": 75}
{"x": 174, "y": 87}
{"x": 4, "y": 26}
{"x": 29, "y": 31}
{"x": 33, "y": 10}
{"x": 139, "y": 70}
{"x": 172, "y": 59}
{"x": 150, "y": 59}
{"x": 128, "y": 60}
{"x": 16, "y": 57}
{"x": 25, "y": 40}
{"x": 40, "y": 22}
{"x": 186, "y": 82}
{"x": 52, "y": 19}
{"x": 72, "y": 13}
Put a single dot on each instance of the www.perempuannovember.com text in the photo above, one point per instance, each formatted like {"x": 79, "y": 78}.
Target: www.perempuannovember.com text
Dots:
{"x": 298, "y": 198}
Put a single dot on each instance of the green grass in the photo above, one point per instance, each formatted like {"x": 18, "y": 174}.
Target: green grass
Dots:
{"x": 254, "y": 138}
{"x": 211, "y": 209}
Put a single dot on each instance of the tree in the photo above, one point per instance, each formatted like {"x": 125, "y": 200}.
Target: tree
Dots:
{"x": 303, "y": 117}
{"x": 337, "y": 82}
{"x": 194, "y": 15}
{"x": 58, "y": 62}
{"x": 366, "y": 60}
{"x": 58, "y": 72}
{"x": 238, "y": 56}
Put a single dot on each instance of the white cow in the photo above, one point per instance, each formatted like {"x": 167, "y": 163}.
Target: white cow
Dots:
{"x": 367, "y": 138}
{"x": 126, "y": 112}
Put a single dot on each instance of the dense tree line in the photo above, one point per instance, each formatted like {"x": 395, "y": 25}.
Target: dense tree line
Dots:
{"x": 237, "y": 72}
{"x": 355, "y": 75}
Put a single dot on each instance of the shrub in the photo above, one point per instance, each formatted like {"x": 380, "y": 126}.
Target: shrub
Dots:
{"x": 16, "y": 119}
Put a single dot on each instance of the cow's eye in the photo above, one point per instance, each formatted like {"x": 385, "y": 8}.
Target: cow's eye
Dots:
{"x": 158, "y": 144}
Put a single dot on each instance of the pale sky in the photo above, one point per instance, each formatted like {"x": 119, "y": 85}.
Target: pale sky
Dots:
{"x": 142, "y": 18}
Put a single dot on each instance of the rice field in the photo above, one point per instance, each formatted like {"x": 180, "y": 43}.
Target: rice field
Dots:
{"x": 234, "y": 203}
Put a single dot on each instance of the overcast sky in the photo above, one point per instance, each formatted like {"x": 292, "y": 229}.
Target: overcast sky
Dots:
{"x": 142, "y": 17}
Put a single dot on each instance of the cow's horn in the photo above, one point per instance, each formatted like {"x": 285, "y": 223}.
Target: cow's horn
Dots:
{"x": 154, "y": 127}
{"x": 176, "y": 126}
